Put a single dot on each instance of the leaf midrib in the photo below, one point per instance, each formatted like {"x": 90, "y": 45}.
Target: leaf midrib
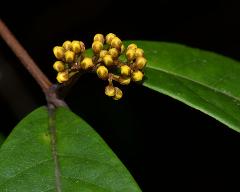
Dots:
{"x": 210, "y": 103}
{"x": 194, "y": 81}
{"x": 83, "y": 181}
{"x": 53, "y": 136}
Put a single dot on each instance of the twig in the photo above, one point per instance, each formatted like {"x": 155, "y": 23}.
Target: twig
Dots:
{"x": 48, "y": 88}
{"x": 24, "y": 57}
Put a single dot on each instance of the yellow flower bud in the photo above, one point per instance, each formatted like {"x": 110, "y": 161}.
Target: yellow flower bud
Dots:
{"x": 109, "y": 38}
{"x": 122, "y": 48}
{"x": 110, "y": 90}
{"x": 132, "y": 46}
{"x": 124, "y": 80}
{"x": 87, "y": 63}
{"x": 102, "y": 72}
{"x": 103, "y": 53}
{"x": 139, "y": 52}
{"x": 116, "y": 43}
{"x": 76, "y": 47}
{"x": 107, "y": 59}
{"x": 140, "y": 62}
{"x": 82, "y": 46}
{"x": 62, "y": 76}
{"x": 58, "y": 52}
{"x": 125, "y": 70}
{"x": 99, "y": 37}
{"x": 69, "y": 56}
{"x": 118, "y": 94}
{"x": 130, "y": 54}
{"x": 113, "y": 52}
{"x": 97, "y": 46}
{"x": 58, "y": 66}
{"x": 67, "y": 45}
{"x": 137, "y": 76}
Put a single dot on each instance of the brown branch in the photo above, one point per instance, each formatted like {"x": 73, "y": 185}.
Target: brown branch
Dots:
{"x": 48, "y": 88}
{"x": 24, "y": 57}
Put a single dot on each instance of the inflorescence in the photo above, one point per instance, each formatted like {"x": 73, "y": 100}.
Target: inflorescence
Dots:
{"x": 105, "y": 62}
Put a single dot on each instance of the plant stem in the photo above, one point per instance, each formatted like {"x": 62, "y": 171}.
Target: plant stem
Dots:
{"x": 48, "y": 88}
{"x": 24, "y": 57}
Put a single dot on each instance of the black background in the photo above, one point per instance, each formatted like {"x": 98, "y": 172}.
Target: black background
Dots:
{"x": 164, "y": 143}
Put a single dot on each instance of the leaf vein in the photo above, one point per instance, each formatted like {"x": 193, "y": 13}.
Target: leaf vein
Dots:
{"x": 20, "y": 173}
{"x": 194, "y": 81}
{"x": 83, "y": 181}
{"x": 204, "y": 99}
{"x": 84, "y": 158}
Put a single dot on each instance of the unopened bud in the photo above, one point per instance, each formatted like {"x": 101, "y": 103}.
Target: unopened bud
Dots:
{"x": 125, "y": 70}
{"x": 113, "y": 52}
{"x": 69, "y": 56}
{"x": 82, "y": 46}
{"x": 58, "y": 66}
{"x": 99, "y": 37}
{"x": 76, "y": 47}
{"x": 107, "y": 59}
{"x": 102, "y": 72}
{"x": 67, "y": 45}
{"x": 130, "y": 54}
{"x": 103, "y": 53}
{"x": 118, "y": 94}
{"x": 62, "y": 76}
{"x": 140, "y": 62}
{"x": 137, "y": 76}
{"x": 97, "y": 46}
{"x": 116, "y": 43}
{"x": 58, "y": 52}
{"x": 139, "y": 52}
{"x": 87, "y": 63}
{"x": 132, "y": 46}
{"x": 109, "y": 38}
{"x": 110, "y": 90}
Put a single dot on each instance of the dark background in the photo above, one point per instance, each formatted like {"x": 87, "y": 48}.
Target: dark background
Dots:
{"x": 165, "y": 144}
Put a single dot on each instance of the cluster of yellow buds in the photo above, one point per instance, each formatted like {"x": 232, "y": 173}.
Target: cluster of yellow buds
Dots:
{"x": 105, "y": 62}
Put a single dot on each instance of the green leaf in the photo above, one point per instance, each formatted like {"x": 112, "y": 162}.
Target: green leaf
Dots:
{"x": 203, "y": 80}
{"x": 86, "y": 163}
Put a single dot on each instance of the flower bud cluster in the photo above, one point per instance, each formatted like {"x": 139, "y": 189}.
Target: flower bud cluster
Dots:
{"x": 105, "y": 62}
